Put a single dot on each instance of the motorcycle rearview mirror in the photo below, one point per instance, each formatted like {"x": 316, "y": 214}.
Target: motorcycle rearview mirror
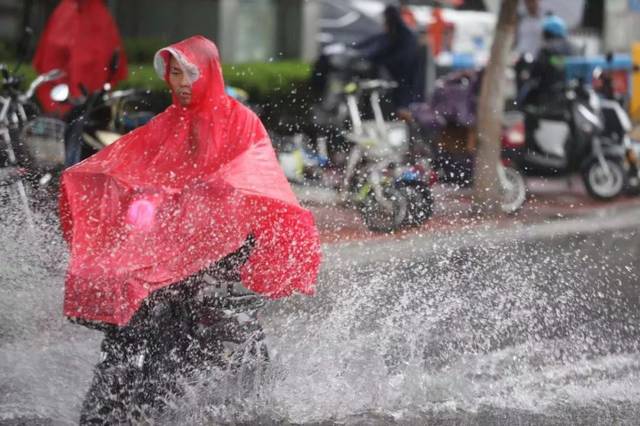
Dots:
{"x": 54, "y": 75}
{"x": 60, "y": 93}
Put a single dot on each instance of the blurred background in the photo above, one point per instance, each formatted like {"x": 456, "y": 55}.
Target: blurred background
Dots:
{"x": 295, "y": 63}
{"x": 292, "y": 29}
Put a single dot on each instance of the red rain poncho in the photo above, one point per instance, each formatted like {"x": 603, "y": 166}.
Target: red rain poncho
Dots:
{"x": 80, "y": 38}
{"x": 176, "y": 195}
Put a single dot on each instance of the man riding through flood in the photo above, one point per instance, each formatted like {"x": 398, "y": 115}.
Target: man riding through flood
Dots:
{"x": 178, "y": 232}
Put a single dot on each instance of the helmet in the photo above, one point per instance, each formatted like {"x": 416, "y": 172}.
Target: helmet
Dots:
{"x": 555, "y": 26}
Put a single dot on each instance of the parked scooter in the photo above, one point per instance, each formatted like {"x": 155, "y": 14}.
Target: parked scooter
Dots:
{"x": 329, "y": 115}
{"x": 617, "y": 124}
{"x": 566, "y": 134}
{"x": 35, "y": 140}
{"x": 617, "y": 129}
{"x": 31, "y": 146}
{"x": 100, "y": 118}
{"x": 448, "y": 121}
{"x": 377, "y": 178}
{"x": 337, "y": 66}
{"x": 390, "y": 192}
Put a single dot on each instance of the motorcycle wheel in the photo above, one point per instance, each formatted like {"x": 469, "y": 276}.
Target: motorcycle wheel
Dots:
{"x": 513, "y": 190}
{"x": 602, "y": 185}
{"x": 380, "y": 218}
{"x": 420, "y": 203}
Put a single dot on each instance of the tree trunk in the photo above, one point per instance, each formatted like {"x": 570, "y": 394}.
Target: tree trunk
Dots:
{"x": 486, "y": 194}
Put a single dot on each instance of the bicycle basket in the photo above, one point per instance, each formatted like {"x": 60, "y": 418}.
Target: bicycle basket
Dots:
{"x": 44, "y": 139}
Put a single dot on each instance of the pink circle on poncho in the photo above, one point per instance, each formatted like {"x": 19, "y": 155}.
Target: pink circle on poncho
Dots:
{"x": 141, "y": 214}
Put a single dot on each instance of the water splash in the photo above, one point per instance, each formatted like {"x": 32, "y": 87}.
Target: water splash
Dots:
{"x": 538, "y": 331}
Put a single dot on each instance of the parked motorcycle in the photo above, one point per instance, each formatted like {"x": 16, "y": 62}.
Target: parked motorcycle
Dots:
{"x": 448, "y": 121}
{"x": 329, "y": 115}
{"x": 36, "y": 142}
{"x": 100, "y": 118}
{"x": 566, "y": 134}
{"x": 617, "y": 130}
{"x": 31, "y": 145}
{"x": 390, "y": 191}
{"x": 378, "y": 179}
{"x": 617, "y": 124}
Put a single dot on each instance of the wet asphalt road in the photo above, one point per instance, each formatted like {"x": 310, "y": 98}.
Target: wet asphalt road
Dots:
{"x": 538, "y": 325}
{"x": 480, "y": 326}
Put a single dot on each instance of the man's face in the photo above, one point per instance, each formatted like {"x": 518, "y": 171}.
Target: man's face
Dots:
{"x": 179, "y": 82}
{"x": 533, "y": 6}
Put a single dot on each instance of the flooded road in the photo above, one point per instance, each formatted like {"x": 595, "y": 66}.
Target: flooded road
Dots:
{"x": 538, "y": 325}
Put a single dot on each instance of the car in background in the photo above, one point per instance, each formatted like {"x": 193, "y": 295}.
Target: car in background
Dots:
{"x": 348, "y": 22}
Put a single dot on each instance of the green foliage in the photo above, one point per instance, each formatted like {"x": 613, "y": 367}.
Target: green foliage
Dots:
{"x": 267, "y": 80}
{"x": 279, "y": 88}
{"x": 25, "y": 71}
{"x": 143, "y": 77}
{"x": 140, "y": 50}
{"x": 263, "y": 81}
{"x": 6, "y": 53}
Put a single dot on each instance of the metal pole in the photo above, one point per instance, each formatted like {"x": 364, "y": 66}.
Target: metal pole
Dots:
{"x": 227, "y": 24}
{"x": 311, "y": 13}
